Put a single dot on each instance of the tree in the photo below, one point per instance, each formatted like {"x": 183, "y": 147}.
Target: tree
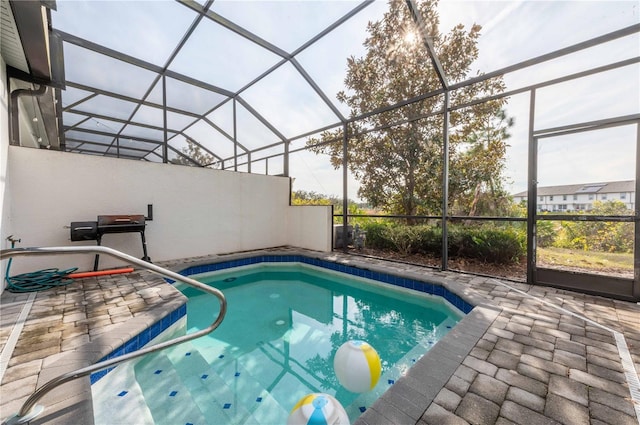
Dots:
{"x": 479, "y": 167}
{"x": 397, "y": 155}
{"x": 196, "y": 153}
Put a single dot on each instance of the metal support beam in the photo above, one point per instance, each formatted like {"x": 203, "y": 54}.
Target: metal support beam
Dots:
{"x": 333, "y": 26}
{"x": 549, "y": 56}
{"x": 242, "y": 32}
{"x": 317, "y": 89}
{"x": 82, "y": 142}
{"x": 532, "y": 193}
{"x": 445, "y": 184}
{"x": 69, "y": 108}
{"x": 165, "y": 150}
{"x": 585, "y": 126}
{"x": 166, "y": 108}
{"x": 235, "y": 137}
{"x": 92, "y": 115}
{"x": 224, "y": 133}
{"x": 61, "y": 138}
{"x": 345, "y": 195}
{"x": 285, "y": 165}
{"x": 97, "y": 91}
{"x": 426, "y": 39}
{"x": 89, "y": 45}
{"x": 260, "y": 118}
{"x": 636, "y": 242}
{"x": 574, "y": 76}
{"x": 110, "y": 134}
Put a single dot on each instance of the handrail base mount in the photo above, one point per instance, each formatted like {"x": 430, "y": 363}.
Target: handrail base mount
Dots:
{"x": 16, "y": 420}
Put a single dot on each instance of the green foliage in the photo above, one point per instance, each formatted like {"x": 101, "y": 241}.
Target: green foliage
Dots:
{"x": 571, "y": 236}
{"x": 399, "y": 165}
{"x": 598, "y": 235}
{"x": 404, "y": 239}
{"x": 302, "y": 197}
{"x": 546, "y": 231}
{"x": 477, "y": 170}
{"x": 430, "y": 240}
{"x": 492, "y": 244}
{"x": 377, "y": 236}
{"x": 610, "y": 208}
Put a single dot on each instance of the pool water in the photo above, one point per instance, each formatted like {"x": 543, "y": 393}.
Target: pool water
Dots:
{"x": 276, "y": 344}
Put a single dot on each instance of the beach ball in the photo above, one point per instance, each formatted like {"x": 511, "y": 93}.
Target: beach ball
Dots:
{"x": 357, "y": 366}
{"x": 318, "y": 409}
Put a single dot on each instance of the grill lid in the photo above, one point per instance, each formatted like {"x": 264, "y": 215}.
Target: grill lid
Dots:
{"x": 120, "y": 223}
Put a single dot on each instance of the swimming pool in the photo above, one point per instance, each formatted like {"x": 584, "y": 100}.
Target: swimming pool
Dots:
{"x": 277, "y": 344}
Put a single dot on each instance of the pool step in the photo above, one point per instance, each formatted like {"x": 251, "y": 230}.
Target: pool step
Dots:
{"x": 266, "y": 370}
{"x": 210, "y": 392}
{"x": 117, "y": 398}
{"x": 169, "y": 400}
{"x": 213, "y": 384}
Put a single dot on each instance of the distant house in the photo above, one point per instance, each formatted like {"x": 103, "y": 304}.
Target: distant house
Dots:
{"x": 580, "y": 197}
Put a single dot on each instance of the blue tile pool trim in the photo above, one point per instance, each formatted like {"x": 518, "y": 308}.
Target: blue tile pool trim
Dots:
{"x": 426, "y": 287}
{"x": 141, "y": 340}
{"x": 157, "y": 328}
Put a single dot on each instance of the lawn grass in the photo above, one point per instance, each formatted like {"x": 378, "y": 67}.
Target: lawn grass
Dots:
{"x": 588, "y": 260}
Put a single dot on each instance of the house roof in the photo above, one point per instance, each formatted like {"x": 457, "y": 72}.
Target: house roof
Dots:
{"x": 570, "y": 189}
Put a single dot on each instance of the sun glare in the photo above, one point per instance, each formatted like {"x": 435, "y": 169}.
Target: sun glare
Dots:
{"x": 410, "y": 37}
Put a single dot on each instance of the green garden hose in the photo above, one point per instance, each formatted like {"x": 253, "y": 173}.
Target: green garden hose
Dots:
{"x": 36, "y": 281}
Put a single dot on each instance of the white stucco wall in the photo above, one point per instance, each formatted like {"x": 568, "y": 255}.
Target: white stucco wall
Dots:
{"x": 310, "y": 227}
{"x": 196, "y": 211}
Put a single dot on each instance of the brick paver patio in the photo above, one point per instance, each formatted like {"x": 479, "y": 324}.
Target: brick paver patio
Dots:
{"x": 526, "y": 355}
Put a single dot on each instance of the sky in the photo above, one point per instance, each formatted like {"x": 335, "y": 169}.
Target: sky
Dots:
{"x": 513, "y": 31}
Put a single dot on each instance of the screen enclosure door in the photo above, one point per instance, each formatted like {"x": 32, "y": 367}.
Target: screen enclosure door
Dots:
{"x": 585, "y": 225}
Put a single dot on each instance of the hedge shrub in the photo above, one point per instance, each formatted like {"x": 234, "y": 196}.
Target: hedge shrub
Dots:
{"x": 376, "y": 236}
{"x": 485, "y": 243}
{"x": 493, "y": 245}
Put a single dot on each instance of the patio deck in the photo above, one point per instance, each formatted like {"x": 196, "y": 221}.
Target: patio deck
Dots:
{"x": 525, "y": 355}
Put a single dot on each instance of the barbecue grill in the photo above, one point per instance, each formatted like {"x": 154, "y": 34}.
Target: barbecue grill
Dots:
{"x": 94, "y": 230}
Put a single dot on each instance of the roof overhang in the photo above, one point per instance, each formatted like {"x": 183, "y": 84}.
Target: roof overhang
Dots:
{"x": 31, "y": 22}
{"x": 34, "y": 58}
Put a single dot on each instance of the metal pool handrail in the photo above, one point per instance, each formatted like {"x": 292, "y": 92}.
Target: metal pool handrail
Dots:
{"x": 25, "y": 414}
